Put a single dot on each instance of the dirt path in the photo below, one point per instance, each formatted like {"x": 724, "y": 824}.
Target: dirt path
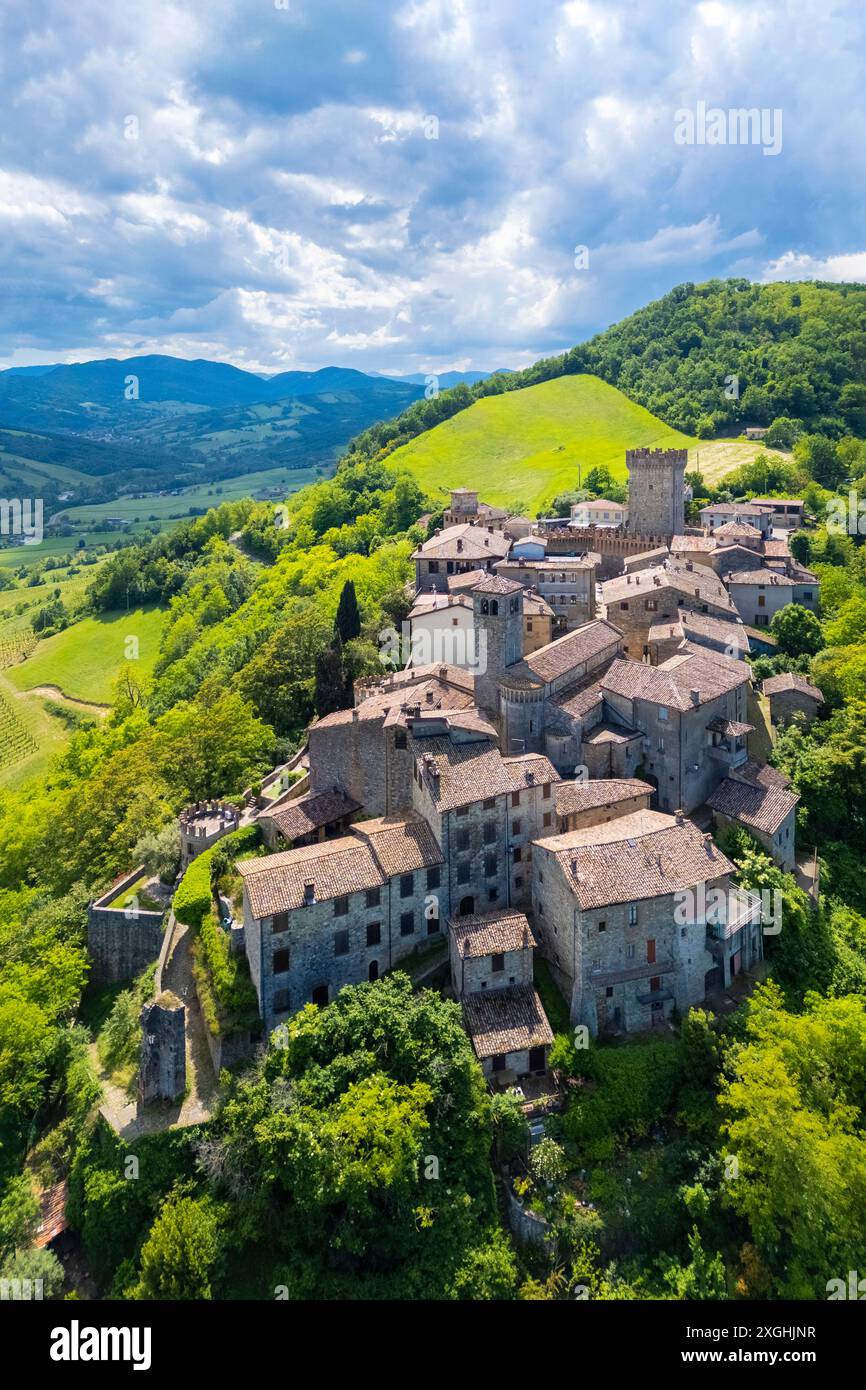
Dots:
{"x": 53, "y": 692}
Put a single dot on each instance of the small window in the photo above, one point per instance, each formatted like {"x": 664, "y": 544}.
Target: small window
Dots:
{"x": 629, "y": 951}
{"x": 632, "y": 914}
{"x": 602, "y": 926}
{"x": 651, "y": 951}
{"x": 407, "y": 923}
{"x": 462, "y": 840}
{"x": 515, "y": 798}
{"x": 463, "y": 810}
{"x": 341, "y": 907}
{"x": 407, "y": 885}
{"x": 373, "y": 971}
{"x": 609, "y": 992}
{"x": 518, "y": 882}
{"x": 547, "y": 818}
{"x": 624, "y": 605}
{"x": 517, "y": 854}
{"x": 463, "y": 873}
{"x": 374, "y": 933}
{"x": 434, "y": 877}
{"x": 489, "y": 803}
{"x": 663, "y": 714}
{"x": 492, "y": 895}
{"x": 490, "y": 832}
{"x": 515, "y": 827}
{"x": 656, "y": 983}
{"x": 545, "y": 791}
{"x": 491, "y": 867}
{"x": 497, "y": 1063}
{"x": 280, "y": 921}
{"x": 497, "y": 963}
{"x": 282, "y": 1001}
{"x": 341, "y": 943}
{"x": 281, "y": 962}
{"x": 400, "y": 738}
{"x": 432, "y": 566}
{"x": 374, "y": 897}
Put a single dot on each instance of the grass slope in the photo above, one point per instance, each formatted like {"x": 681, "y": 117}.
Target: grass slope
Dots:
{"x": 522, "y": 448}
{"x": 84, "y": 659}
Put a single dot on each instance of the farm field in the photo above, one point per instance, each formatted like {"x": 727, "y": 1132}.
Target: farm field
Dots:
{"x": 84, "y": 659}
{"x": 209, "y": 494}
{"x": 29, "y": 735}
{"x": 522, "y": 448}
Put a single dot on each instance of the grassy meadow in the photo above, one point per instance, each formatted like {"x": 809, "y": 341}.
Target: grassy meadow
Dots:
{"x": 84, "y": 659}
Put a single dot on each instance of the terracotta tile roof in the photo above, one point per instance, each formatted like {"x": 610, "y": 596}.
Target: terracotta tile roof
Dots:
{"x": 310, "y": 812}
{"x": 696, "y": 583}
{"x": 464, "y": 542}
{"x": 52, "y": 1214}
{"x": 738, "y": 528}
{"x": 414, "y": 688}
{"x": 534, "y": 606}
{"x": 610, "y": 733}
{"x": 761, "y": 774}
{"x": 776, "y": 550}
{"x": 365, "y": 858}
{"x": 571, "y": 797}
{"x": 470, "y": 772}
{"x": 763, "y": 577}
{"x": 496, "y": 584}
{"x": 568, "y": 653}
{"x": 432, "y": 602}
{"x": 776, "y": 685}
{"x": 490, "y": 933}
{"x": 556, "y": 563}
{"x": 734, "y": 509}
{"x": 467, "y": 580}
{"x": 643, "y": 855}
{"x": 756, "y": 806}
{"x": 695, "y": 543}
{"x": 731, "y": 728}
{"x": 581, "y": 699}
{"x": 729, "y": 631}
{"x": 672, "y": 683}
{"x": 506, "y": 1020}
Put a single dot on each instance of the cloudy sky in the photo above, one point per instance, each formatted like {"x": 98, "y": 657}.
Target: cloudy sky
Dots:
{"x": 401, "y": 185}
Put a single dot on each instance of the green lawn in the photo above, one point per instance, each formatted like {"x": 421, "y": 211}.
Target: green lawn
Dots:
{"x": 522, "y": 448}
{"x": 84, "y": 659}
{"x": 209, "y": 494}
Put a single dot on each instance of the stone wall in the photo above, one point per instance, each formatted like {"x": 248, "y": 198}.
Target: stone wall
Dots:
{"x": 121, "y": 941}
{"x": 162, "y": 1074}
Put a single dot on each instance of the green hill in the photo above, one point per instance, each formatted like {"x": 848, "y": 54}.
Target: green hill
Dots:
{"x": 523, "y": 447}
{"x": 83, "y": 660}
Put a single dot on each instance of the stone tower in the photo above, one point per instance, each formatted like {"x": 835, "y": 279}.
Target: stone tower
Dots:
{"x": 656, "y": 502}
{"x": 162, "y": 1068}
{"x": 498, "y": 621}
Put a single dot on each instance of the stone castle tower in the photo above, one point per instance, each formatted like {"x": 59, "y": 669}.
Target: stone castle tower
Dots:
{"x": 656, "y": 479}
{"x": 497, "y": 617}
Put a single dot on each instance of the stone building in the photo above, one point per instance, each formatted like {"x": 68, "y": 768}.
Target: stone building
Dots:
{"x": 621, "y": 917}
{"x": 441, "y": 629}
{"x": 538, "y": 619}
{"x": 456, "y": 550}
{"x": 566, "y": 583}
{"x": 759, "y": 594}
{"x": 791, "y": 695}
{"x": 202, "y": 825}
{"x": 725, "y": 636}
{"x": 636, "y": 603}
{"x": 509, "y": 1032}
{"x": 598, "y": 511}
{"x": 718, "y": 514}
{"x": 464, "y": 508}
{"x": 307, "y": 819}
{"x": 162, "y": 1065}
{"x": 339, "y": 912}
{"x": 759, "y": 799}
{"x": 580, "y": 804}
{"x": 656, "y": 490}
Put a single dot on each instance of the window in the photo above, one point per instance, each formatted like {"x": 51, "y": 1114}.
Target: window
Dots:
{"x": 515, "y": 827}
{"x": 373, "y": 971}
{"x": 545, "y": 791}
{"x": 400, "y": 738}
{"x": 518, "y": 882}
{"x": 489, "y": 803}
{"x": 497, "y": 962}
{"x": 374, "y": 897}
{"x": 515, "y": 798}
{"x": 282, "y": 1002}
{"x": 624, "y": 605}
{"x": 341, "y": 943}
{"x": 602, "y": 926}
{"x": 432, "y": 926}
{"x": 807, "y": 594}
{"x": 663, "y": 714}
{"x": 432, "y": 566}
{"x": 280, "y": 921}
{"x": 656, "y": 984}
{"x": 434, "y": 877}
{"x": 490, "y": 832}
{"x": 490, "y": 866}
{"x": 497, "y": 1063}
{"x": 462, "y": 839}
{"x": 319, "y": 996}
{"x": 463, "y": 874}
{"x": 661, "y": 744}
{"x": 341, "y": 907}
{"x": 762, "y": 620}
{"x": 762, "y": 601}
{"x": 650, "y": 605}
{"x": 281, "y": 962}
{"x": 492, "y": 895}
{"x": 407, "y": 885}
{"x": 548, "y": 817}
{"x": 609, "y": 992}
{"x": 632, "y": 914}
{"x": 629, "y": 951}
{"x": 374, "y": 933}
{"x": 407, "y": 923}
{"x": 463, "y": 810}
{"x": 651, "y": 951}
{"x": 517, "y": 854}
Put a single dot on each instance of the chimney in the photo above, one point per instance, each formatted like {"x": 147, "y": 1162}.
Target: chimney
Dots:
{"x": 460, "y": 545}
{"x": 354, "y": 716}
{"x": 309, "y": 892}
{"x": 689, "y": 565}
{"x": 679, "y": 815}
{"x": 657, "y": 579}
{"x": 628, "y": 579}
{"x": 429, "y": 697}
{"x": 695, "y": 697}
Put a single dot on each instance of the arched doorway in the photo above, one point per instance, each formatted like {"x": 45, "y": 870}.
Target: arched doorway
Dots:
{"x": 467, "y": 907}
{"x": 654, "y": 783}
{"x": 373, "y": 971}
{"x": 320, "y": 996}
